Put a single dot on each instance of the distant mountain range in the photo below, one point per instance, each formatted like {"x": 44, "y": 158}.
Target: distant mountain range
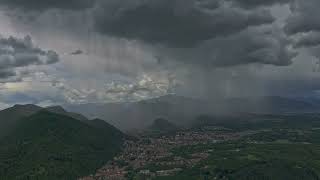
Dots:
{"x": 140, "y": 115}
{"x": 38, "y": 143}
{"x": 274, "y": 105}
{"x": 163, "y": 125}
{"x": 182, "y": 110}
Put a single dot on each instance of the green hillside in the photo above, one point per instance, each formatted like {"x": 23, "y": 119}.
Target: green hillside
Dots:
{"x": 10, "y": 117}
{"x": 52, "y": 146}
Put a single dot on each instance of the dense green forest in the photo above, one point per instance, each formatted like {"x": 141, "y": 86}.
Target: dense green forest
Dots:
{"x": 46, "y": 145}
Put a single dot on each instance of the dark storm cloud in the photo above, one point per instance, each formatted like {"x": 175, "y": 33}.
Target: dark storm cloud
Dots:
{"x": 175, "y": 23}
{"x": 254, "y": 47}
{"x": 305, "y": 17}
{"x": 77, "y": 52}
{"x": 209, "y": 33}
{"x": 304, "y": 24}
{"x": 40, "y": 5}
{"x": 15, "y": 53}
{"x": 6, "y": 73}
{"x": 259, "y": 3}
{"x": 250, "y": 46}
{"x": 308, "y": 40}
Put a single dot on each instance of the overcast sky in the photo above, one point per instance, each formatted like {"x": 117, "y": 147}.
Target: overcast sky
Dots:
{"x": 99, "y": 51}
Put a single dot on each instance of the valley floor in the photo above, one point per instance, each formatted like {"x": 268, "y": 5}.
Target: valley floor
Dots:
{"x": 211, "y": 153}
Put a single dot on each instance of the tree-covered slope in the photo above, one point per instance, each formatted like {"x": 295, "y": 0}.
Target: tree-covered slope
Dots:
{"x": 10, "y": 117}
{"x": 46, "y": 145}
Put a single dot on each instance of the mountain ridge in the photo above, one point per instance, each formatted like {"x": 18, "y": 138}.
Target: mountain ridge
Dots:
{"x": 183, "y": 110}
{"x": 47, "y": 145}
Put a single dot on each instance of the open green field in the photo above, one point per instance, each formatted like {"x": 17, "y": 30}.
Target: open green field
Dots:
{"x": 241, "y": 160}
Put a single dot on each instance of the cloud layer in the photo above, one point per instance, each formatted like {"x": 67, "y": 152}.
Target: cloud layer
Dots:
{"x": 200, "y": 43}
{"x": 41, "y": 5}
{"x": 17, "y": 53}
{"x": 257, "y": 46}
{"x": 259, "y": 3}
{"x": 175, "y": 23}
{"x": 305, "y": 21}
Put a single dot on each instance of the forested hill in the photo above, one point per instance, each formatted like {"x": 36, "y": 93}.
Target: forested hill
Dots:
{"x": 48, "y": 145}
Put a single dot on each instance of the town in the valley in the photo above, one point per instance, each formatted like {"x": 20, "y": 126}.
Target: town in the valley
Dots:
{"x": 148, "y": 157}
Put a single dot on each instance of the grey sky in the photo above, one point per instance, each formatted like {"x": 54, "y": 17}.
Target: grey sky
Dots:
{"x": 126, "y": 50}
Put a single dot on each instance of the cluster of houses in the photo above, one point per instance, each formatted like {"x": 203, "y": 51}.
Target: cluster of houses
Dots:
{"x": 137, "y": 156}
